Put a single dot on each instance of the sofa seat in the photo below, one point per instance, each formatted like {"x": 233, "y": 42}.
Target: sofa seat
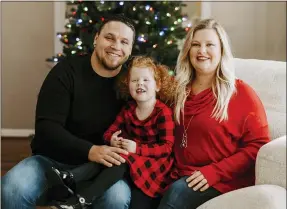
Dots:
{"x": 254, "y": 197}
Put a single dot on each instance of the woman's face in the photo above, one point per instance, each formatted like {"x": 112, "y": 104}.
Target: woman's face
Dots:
{"x": 205, "y": 51}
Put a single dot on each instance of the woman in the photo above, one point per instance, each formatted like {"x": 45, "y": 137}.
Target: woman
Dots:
{"x": 222, "y": 122}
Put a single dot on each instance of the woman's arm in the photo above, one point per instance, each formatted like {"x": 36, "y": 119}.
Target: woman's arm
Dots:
{"x": 255, "y": 133}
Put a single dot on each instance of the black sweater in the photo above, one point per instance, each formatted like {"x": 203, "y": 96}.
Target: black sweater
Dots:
{"x": 75, "y": 106}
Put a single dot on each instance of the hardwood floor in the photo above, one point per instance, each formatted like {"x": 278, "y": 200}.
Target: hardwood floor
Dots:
{"x": 13, "y": 150}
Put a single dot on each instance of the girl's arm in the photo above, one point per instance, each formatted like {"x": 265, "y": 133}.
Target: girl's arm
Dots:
{"x": 116, "y": 126}
{"x": 165, "y": 127}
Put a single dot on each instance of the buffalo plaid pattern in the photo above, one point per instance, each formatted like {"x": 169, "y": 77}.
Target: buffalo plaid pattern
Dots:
{"x": 150, "y": 165}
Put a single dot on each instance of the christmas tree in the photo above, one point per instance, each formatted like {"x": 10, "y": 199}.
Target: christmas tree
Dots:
{"x": 159, "y": 26}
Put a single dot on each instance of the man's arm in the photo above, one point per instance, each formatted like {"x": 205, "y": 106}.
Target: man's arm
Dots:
{"x": 52, "y": 111}
{"x": 53, "y": 108}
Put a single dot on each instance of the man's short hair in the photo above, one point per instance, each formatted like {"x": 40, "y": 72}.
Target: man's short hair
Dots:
{"x": 119, "y": 18}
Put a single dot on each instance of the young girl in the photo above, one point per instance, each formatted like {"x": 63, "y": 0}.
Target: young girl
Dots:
{"x": 145, "y": 128}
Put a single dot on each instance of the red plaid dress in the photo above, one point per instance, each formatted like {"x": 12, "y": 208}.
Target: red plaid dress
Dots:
{"x": 150, "y": 165}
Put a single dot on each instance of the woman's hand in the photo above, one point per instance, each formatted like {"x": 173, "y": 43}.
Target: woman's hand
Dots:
{"x": 197, "y": 181}
{"x": 116, "y": 140}
{"x": 129, "y": 145}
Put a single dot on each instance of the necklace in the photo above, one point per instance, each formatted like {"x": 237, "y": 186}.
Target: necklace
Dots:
{"x": 184, "y": 135}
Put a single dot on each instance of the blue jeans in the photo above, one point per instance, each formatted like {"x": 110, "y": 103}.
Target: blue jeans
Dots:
{"x": 26, "y": 182}
{"x": 180, "y": 196}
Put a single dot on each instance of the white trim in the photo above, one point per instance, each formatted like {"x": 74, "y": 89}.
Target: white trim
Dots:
{"x": 16, "y": 132}
{"x": 205, "y": 9}
{"x": 59, "y": 24}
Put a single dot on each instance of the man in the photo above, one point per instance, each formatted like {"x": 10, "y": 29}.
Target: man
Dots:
{"x": 76, "y": 104}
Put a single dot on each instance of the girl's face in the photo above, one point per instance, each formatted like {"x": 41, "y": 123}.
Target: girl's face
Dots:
{"x": 142, "y": 85}
{"x": 205, "y": 51}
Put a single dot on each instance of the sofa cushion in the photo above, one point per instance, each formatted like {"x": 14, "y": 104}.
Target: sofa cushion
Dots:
{"x": 268, "y": 79}
{"x": 254, "y": 197}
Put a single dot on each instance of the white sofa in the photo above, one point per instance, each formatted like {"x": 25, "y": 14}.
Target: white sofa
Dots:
{"x": 268, "y": 78}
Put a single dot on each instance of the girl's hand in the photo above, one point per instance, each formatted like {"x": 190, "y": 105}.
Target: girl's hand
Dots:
{"x": 129, "y": 145}
{"x": 197, "y": 181}
{"x": 116, "y": 140}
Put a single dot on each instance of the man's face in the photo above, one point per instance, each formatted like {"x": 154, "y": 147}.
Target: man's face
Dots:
{"x": 113, "y": 45}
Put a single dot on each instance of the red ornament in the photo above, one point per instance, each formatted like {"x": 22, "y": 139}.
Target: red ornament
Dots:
{"x": 102, "y": 19}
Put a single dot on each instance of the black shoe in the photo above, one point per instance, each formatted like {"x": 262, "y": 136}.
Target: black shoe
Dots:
{"x": 64, "y": 178}
{"x": 73, "y": 203}
{"x": 57, "y": 192}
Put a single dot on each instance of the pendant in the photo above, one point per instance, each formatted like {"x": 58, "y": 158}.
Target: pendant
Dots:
{"x": 184, "y": 141}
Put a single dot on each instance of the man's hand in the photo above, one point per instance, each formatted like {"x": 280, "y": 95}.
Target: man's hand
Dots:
{"x": 116, "y": 140}
{"x": 197, "y": 181}
{"x": 129, "y": 145}
{"x": 107, "y": 155}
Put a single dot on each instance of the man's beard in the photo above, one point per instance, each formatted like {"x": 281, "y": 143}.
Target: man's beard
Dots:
{"x": 107, "y": 66}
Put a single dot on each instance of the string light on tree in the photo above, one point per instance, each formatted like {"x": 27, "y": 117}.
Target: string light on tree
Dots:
{"x": 158, "y": 27}
{"x": 171, "y": 73}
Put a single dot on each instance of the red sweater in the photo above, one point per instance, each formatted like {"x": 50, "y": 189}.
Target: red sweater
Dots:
{"x": 223, "y": 152}
{"x": 152, "y": 162}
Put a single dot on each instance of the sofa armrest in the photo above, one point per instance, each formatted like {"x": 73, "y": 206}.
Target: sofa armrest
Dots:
{"x": 271, "y": 163}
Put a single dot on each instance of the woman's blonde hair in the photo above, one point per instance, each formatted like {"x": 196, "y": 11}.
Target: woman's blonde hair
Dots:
{"x": 163, "y": 79}
{"x": 223, "y": 85}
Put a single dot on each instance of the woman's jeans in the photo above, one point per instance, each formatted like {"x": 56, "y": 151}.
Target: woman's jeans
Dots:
{"x": 26, "y": 182}
{"x": 180, "y": 196}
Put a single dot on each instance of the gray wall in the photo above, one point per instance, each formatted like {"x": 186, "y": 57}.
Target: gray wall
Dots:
{"x": 256, "y": 29}
{"x": 27, "y": 40}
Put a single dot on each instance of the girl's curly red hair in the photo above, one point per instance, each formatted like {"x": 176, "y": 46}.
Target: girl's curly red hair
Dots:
{"x": 164, "y": 80}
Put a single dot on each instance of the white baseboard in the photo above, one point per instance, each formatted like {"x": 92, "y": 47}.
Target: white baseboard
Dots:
{"x": 16, "y": 132}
